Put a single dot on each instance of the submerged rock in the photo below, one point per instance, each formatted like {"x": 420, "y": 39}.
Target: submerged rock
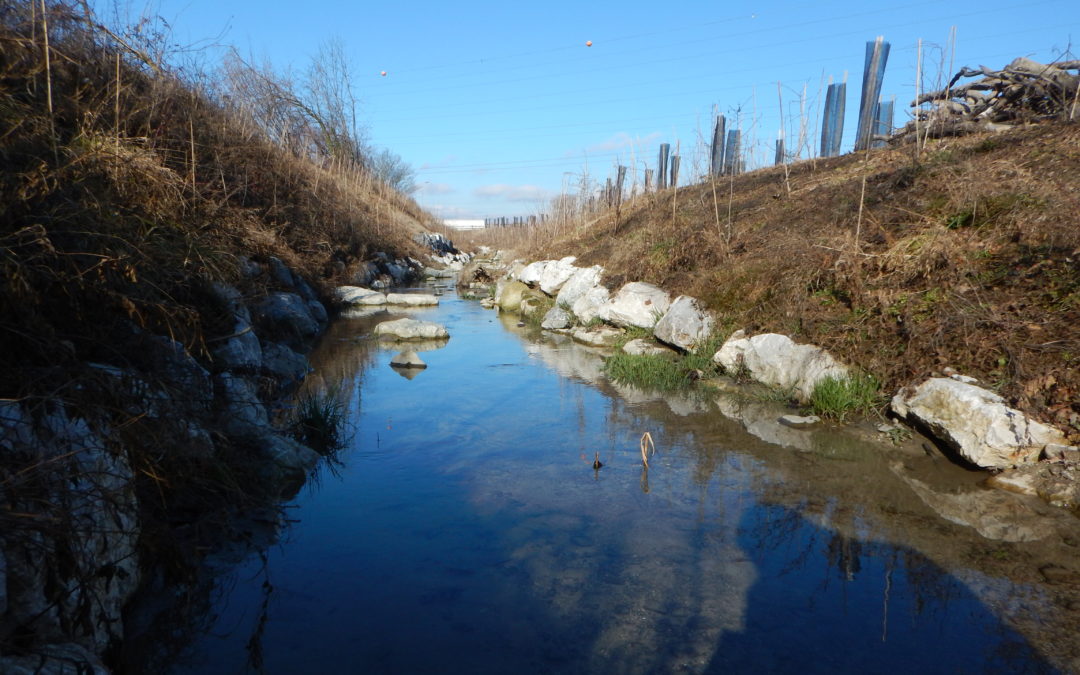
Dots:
{"x": 800, "y": 422}
{"x": 994, "y": 514}
{"x": 600, "y": 336}
{"x": 975, "y": 422}
{"x": 643, "y": 347}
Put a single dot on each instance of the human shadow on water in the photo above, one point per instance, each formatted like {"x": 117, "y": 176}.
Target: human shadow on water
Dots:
{"x": 828, "y": 602}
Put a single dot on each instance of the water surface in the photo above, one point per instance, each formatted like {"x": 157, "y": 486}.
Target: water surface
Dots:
{"x": 467, "y": 531}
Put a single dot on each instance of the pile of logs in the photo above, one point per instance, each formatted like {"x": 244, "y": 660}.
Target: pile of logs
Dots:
{"x": 1024, "y": 91}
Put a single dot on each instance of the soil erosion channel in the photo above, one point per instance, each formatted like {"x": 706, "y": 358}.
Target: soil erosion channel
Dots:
{"x": 468, "y": 531}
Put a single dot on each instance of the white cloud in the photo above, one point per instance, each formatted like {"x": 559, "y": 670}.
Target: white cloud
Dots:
{"x": 435, "y": 188}
{"x": 448, "y": 211}
{"x": 514, "y": 193}
{"x": 439, "y": 163}
{"x": 618, "y": 142}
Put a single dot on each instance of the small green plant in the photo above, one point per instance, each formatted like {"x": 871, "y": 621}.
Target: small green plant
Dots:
{"x": 837, "y": 397}
{"x": 658, "y": 373}
{"x": 540, "y": 305}
{"x": 319, "y": 421}
{"x": 664, "y": 372}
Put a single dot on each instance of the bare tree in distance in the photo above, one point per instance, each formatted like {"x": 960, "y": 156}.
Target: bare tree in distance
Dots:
{"x": 391, "y": 169}
{"x": 332, "y": 98}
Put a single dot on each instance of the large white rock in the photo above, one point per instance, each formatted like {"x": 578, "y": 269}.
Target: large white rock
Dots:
{"x": 410, "y": 329}
{"x": 372, "y": 299}
{"x": 530, "y": 274}
{"x": 412, "y": 299}
{"x": 975, "y": 422}
{"x": 578, "y": 284}
{"x": 636, "y": 304}
{"x": 587, "y": 306}
{"x": 508, "y": 295}
{"x": 556, "y": 318}
{"x": 778, "y": 361}
{"x": 686, "y": 324}
{"x": 556, "y": 273}
{"x": 351, "y": 294}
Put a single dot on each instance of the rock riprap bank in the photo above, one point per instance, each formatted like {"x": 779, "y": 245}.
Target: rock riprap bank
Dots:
{"x": 971, "y": 423}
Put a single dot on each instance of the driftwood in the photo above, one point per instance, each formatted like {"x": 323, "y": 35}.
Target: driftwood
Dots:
{"x": 1023, "y": 91}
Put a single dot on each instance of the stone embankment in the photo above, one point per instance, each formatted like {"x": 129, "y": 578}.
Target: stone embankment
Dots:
{"x": 65, "y": 578}
{"x": 970, "y": 423}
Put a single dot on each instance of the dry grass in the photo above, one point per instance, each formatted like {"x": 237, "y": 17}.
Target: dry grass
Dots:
{"x": 968, "y": 258}
{"x": 126, "y": 191}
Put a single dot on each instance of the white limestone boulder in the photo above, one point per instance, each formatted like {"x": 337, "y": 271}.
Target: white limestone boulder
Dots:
{"x": 578, "y": 284}
{"x": 975, "y": 422}
{"x": 686, "y": 325}
{"x": 508, "y": 295}
{"x": 531, "y": 273}
{"x": 555, "y": 274}
{"x": 350, "y": 294}
{"x": 373, "y": 299}
{"x": 776, "y": 360}
{"x": 412, "y": 299}
{"x": 587, "y": 306}
{"x": 410, "y": 329}
{"x": 556, "y": 318}
{"x": 636, "y": 304}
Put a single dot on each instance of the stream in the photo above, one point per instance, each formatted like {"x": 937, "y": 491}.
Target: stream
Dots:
{"x": 466, "y": 531}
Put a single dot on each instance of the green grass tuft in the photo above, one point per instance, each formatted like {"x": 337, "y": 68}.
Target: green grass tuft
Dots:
{"x": 836, "y": 398}
{"x": 319, "y": 421}
{"x": 661, "y": 373}
{"x": 658, "y": 373}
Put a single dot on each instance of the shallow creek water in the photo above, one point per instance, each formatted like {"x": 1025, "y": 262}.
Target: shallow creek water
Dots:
{"x": 467, "y": 531}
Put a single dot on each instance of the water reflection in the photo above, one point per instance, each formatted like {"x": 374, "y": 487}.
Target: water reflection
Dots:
{"x": 473, "y": 534}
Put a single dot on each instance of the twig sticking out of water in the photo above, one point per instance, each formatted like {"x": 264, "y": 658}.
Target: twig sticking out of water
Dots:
{"x": 647, "y": 447}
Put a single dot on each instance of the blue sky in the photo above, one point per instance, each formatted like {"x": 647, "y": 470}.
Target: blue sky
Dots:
{"x": 501, "y": 105}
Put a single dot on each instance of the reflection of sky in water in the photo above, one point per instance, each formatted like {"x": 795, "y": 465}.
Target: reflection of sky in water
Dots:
{"x": 468, "y": 533}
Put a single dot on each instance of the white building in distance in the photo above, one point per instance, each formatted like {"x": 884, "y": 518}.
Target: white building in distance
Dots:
{"x": 465, "y": 223}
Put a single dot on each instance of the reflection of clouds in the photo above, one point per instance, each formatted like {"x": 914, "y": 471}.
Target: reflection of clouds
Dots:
{"x": 651, "y": 593}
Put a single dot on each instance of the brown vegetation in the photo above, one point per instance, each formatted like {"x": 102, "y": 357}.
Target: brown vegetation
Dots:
{"x": 965, "y": 256}
{"x": 127, "y": 188}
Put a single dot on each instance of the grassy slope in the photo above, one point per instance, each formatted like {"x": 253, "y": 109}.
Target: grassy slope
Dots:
{"x": 119, "y": 208}
{"x": 124, "y": 193}
{"x": 967, "y": 257}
